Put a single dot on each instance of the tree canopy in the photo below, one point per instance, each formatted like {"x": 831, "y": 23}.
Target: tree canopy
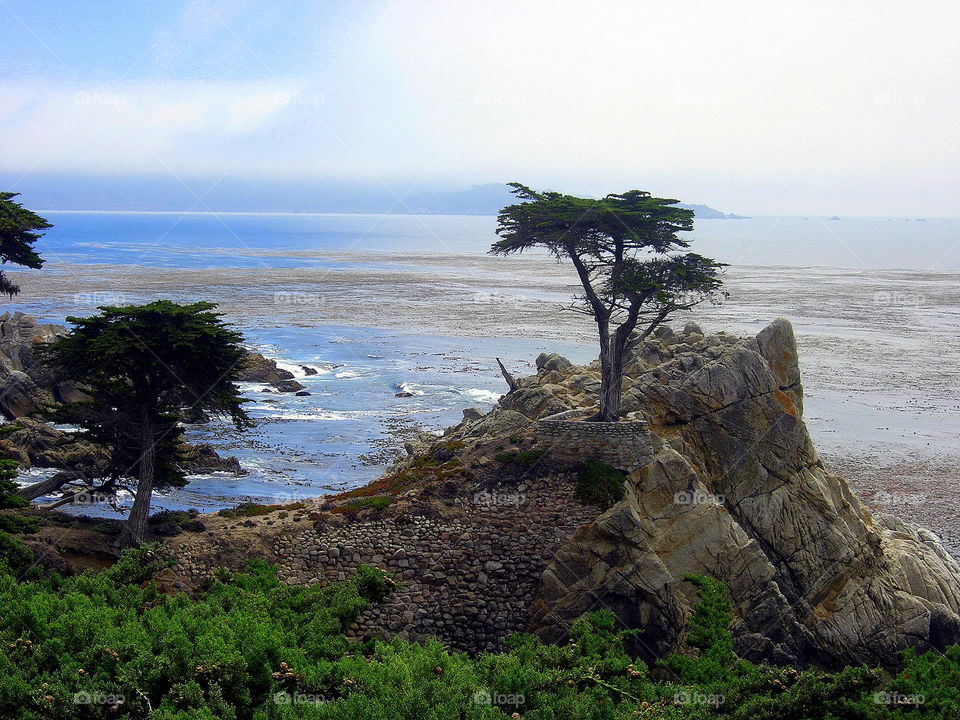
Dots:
{"x": 18, "y": 233}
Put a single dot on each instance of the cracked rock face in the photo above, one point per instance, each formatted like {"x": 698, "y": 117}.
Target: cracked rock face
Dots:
{"x": 735, "y": 490}
{"x": 25, "y": 386}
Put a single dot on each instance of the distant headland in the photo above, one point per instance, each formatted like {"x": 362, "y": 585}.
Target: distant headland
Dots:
{"x": 166, "y": 193}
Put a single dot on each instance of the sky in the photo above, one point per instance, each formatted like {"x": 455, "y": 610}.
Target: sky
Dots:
{"x": 763, "y": 108}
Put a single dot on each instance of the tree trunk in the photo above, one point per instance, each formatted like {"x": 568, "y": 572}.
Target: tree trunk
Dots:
{"x": 135, "y": 531}
{"x": 612, "y": 353}
{"x": 507, "y": 376}
{"x": 55, "y": 482}
{"x": 611, "y": 381}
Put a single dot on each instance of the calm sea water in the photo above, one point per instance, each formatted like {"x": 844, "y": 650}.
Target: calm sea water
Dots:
{"x": 212, "y": 240}
{"x": 342, "y": 433}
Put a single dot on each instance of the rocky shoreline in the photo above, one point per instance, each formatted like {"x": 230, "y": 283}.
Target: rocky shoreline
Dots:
{"x": 488, "y": 531}
{"x": 28, "y": 389}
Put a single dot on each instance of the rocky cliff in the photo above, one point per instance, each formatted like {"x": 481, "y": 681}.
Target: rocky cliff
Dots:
{"x": 734, "y": 489}
{"x": 28, "y": 388}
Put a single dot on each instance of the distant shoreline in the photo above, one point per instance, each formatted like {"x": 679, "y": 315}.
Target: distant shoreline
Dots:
{"x": 321, "y": 213}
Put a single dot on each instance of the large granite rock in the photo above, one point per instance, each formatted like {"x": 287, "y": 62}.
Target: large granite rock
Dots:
{"x": 26, "y": 387}
{"x": 33, "y": 443}
{"x": 735, "y": 490}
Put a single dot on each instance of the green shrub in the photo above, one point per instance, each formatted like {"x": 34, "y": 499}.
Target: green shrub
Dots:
{"x": 934, "y": 676}
{"x": 599, "y": 484}
{"x": 707, "y": 635}
{"x": 177, "y": 517}
{"x": 17, "y": 556}
{"x": 17, "y": 524}
{"x": 525, "y": 459}
{"x": 222, "y": 655}
{"x": 377, "y": 502}
{"x": 249, "y": 647}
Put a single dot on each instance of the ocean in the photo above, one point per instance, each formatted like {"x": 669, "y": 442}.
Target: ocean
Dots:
{"x": 390, "y": 303}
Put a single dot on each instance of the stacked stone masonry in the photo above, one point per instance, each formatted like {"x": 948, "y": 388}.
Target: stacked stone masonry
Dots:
{"x": 468, "y": 581}
{"x": 623, "y": 445}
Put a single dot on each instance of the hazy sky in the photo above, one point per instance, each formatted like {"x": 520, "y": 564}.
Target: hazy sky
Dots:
{"x": 753, "y": 107}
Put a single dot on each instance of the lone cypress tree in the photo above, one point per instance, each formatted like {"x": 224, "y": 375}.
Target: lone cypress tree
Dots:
{"x": 18, "y": 233}
{"x": 625, "y": 249}
{"x": 148, "y": 368}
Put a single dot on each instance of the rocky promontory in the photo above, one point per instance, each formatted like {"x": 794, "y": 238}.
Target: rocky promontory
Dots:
{"x": 502, "y": 524}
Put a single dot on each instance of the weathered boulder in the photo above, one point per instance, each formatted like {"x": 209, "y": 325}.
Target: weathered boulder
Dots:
{"x": 471, "y": 414}
{"x": 202, "y": 458}
{"x": 552, "y": 361}
{"x": 735, "y": 490}
{"x": 257, "y": 368}
{"x": 779, "y": 348}
{"x": 495, "y": 423}
{"x": 20, "y": 395}
{"x": 534, "y": 402}
{"x": 35, "y": 443}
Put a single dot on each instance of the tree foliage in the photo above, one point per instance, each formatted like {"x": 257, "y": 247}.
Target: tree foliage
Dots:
{"x": 18, "y": 232}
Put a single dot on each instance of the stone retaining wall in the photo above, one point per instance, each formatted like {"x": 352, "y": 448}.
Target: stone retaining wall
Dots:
{"x": 623, "y": 445}
{"x": 468, "y": 579}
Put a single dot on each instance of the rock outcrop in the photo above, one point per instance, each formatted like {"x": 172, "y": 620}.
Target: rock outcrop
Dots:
{"x": 26, "y": 387}
{"x": 489, "y": 534}
{"x": 257, "y": 368}
{"x": 735, "y": 490}
{"x": 33, "y": 443}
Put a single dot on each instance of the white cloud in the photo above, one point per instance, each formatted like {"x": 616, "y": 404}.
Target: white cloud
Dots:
{"x": 139, "y": 127}
{"x": 698, "y": 95}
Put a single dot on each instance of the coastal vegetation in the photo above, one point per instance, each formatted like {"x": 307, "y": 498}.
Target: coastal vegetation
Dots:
{"x": 155, "y": 636}
{"x": 112, "y": 645}
{"x": 18, "y": 232}
{"x": 625, "y": 249}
